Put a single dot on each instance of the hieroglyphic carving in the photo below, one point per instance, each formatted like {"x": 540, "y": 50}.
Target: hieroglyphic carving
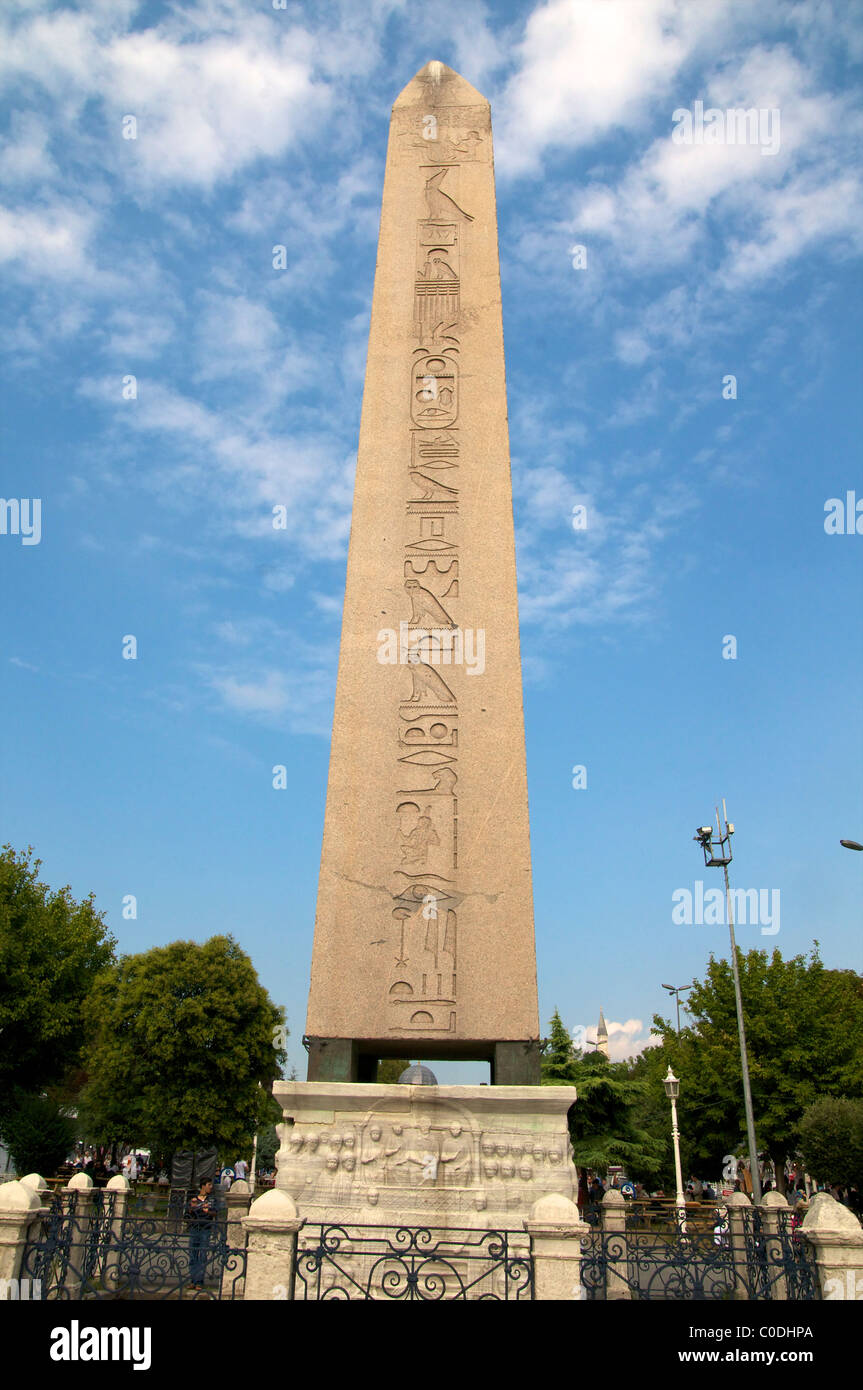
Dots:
{"x": 435, "y": 388}
{"x": 455, "y": 144}
{"x": 437, "y": 283}
{"x": 422, "y": 983}
{"x": 439, "y": 205}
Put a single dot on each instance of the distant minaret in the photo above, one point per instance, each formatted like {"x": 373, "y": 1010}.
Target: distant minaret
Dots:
{"x": 602, "y": 1036}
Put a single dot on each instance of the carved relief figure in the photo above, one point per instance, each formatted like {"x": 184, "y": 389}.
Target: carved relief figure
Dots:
{"x": 441, "y": 206}
{"x": 372, "y": 1156}
{"x": 420, "y": 838}
{"x": 423, "y": 1154}
{"x": 427, "y": 686}
{"x": 394, "y": 1155}
{"x": 456, "y": 1157}
{"x": 425, "y": 609}
{"x": 437, "y": 267}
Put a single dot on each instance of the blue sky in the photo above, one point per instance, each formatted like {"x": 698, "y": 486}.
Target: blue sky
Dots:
{"x": 152, "y": 257}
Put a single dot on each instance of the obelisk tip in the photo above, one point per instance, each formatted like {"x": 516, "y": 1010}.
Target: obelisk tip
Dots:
{"x": 436, "y": 84}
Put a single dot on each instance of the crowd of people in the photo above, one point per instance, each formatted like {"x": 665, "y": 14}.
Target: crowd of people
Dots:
{"x": 101, "y": 1167}
{"x": 799, "y": 1190}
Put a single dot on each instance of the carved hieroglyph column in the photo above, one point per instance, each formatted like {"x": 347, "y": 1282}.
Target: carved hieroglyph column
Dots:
{"x": 424, "y": 939}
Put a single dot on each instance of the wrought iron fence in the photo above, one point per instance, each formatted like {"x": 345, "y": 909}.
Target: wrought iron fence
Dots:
{"x": 431, "y": 1264}
{"x": 96, "y": 1249}
{"x": 764, "y": 1259}
{"x": 779, "y": 1260}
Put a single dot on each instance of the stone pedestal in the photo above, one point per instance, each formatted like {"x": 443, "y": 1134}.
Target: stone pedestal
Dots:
{"x": 20, "y": 1209}
{"x": 837, "y": 1237}
{"x": 442, "y": 1156}
{"x": 271, "y": 1227}
{"x": 556, "y": 1232}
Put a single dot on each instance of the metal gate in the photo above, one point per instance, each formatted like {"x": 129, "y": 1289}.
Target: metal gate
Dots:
{"x": 97, "y": 1248}
{"x": 675, "y": 1263}
{"x": 431, "y": 1264}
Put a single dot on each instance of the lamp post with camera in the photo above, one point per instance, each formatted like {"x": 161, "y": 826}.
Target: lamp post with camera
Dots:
{"x": 717, "y": 853}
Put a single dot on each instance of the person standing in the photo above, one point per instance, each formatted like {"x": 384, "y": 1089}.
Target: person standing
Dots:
{"x": 241, "y": 1169}
{"x": 202, "y": 1214}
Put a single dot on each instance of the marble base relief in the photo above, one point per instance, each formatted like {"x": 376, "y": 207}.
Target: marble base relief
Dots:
{"x": 444, "y": 1155}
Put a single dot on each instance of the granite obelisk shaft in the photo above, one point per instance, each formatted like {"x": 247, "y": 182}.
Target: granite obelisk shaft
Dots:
{"x": 424, "y": 938}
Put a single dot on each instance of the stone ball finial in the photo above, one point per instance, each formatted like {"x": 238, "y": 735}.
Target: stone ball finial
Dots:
{"x": 555, "y": 1209}
{"x": 15, "y": 1197}
{"x": 35, "y": 1182}
{"x": 774, "y": 1199}
{"x": 418, "y": 1076}
{"x": 826, "y": 1214}
{"x": 119, "y": 1183}
{"x": 81, "y": 1182}
{"x": 275, "y": 1205}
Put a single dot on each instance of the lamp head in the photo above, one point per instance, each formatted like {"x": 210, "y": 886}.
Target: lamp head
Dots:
{"x": 671, "y": 1084}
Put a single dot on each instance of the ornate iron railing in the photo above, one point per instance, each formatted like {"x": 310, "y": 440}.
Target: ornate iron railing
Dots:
{"x": 764, "y": 1259}
{"x": 94, "y": 1249}
{"x": 779, "y": 1259}
{"x": 431, "y": 1264}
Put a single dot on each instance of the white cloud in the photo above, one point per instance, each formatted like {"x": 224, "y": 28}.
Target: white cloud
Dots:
{"x": 629, "y": 1039}
{"x": 585, "y": 69}
{"x": 206, "y": 102}
{"x": 48, "y": 242}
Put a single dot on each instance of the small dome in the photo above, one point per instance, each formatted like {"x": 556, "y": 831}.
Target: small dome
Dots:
{"x": 417, "y": 1076}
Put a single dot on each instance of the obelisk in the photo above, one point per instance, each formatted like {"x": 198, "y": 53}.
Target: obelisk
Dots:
{"x": 424, "y": 936}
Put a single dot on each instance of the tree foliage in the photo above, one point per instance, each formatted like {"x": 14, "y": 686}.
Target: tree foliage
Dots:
{"x": 183, "y": 1044}
{"x": 51, "y": 950}
{"x": 804, "y": 1033}
{"x": 831, "y": 1140}
{"x": 37, "y": 1133}
{"x": 603, "y": 1122}
{"x": 390, "y": 1069}
{"x": 558, "y": 1053}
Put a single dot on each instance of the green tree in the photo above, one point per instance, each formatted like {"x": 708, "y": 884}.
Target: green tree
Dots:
{"x": 603, "y": 1125}
{"x": 37, "y": 1133}
{"x": 804, "y": 1033}
{"x": 268, "y": 1146}
{"x": 178, "y": 1040}
{"x": 831, "y": 1140}
{"x": 51, "y": 950}
{"x": 390, "y": 1069}
{"x": 558, "y": 1056}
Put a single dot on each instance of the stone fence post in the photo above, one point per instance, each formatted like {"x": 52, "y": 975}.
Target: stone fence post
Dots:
{"x": 837, "y": 1237}
{"x": 120, "y": 1188}
{"x": 82, "y": 1193}
{"x": 20, "y": 1209}
{"x": 737, "y": 1205}
{"x": 614, "y": 1244}
{"x": 774, "y": 1232}
{"x": 37, "y": 1184}
{"x": 556, "y": 1230}
{"x": 238, "y": 1202}
{"x": 271, "y": 1225}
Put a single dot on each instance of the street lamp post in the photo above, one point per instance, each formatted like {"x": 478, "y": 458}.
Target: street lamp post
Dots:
{"x": 672, "y": 1090}
{"x": 715, "y": 855}
{"x": 677, "y": 990}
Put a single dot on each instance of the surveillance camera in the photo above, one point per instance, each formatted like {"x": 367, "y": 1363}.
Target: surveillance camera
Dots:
{"x": 706, "y": 831}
